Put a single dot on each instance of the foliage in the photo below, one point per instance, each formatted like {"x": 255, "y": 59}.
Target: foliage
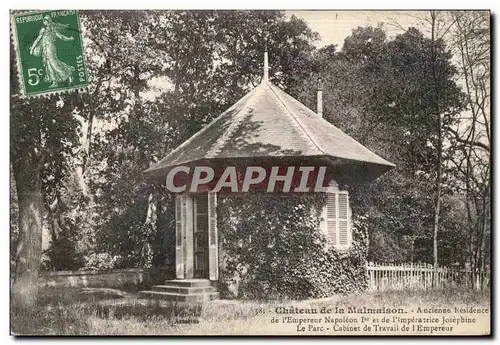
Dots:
{"x": 273, "y": 249}
{"x": 210, "y": 58}
{"x": 470, "y": 40}
{"x": 378, "y": 91}
{"x": 102, "y": 261}
{"x": 63, "y": 256}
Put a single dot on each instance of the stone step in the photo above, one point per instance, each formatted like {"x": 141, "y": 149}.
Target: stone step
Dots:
{"x": 170, "y": 296}
{"x": 188, "y": 282}
{"x": 183, "y": 289}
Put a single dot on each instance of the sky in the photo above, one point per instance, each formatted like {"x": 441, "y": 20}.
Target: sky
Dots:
{"x": 335, "y": 26}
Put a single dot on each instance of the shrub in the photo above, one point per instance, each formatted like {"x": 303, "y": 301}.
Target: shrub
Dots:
{"x": 63, "y": 255}
{"x": 101, "y": 261}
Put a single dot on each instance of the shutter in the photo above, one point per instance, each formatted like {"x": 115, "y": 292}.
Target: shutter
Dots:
{"x": 343, "y": 220}
{"x": 180, "y": 216}
{"x": 331, "y": 218}
{"x": 213, "y": 260}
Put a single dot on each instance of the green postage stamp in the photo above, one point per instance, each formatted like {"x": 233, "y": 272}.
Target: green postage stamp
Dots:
{"x": 49, "y": 51}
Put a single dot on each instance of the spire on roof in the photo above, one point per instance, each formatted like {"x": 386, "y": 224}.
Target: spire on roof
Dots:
{"x": 319, "y": 98}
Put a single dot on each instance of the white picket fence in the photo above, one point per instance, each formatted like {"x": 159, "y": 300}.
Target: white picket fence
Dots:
{"x": 383, "y": 277}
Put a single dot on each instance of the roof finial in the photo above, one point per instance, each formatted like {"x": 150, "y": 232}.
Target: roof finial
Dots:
{"x": 266, "y": 64}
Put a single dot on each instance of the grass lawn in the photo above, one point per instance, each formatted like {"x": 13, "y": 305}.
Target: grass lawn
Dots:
{"x": 98, "y": 311}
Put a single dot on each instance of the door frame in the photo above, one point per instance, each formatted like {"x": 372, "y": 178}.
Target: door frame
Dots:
{"x": 206, "y": 272}
{"x": 185, "y": 224}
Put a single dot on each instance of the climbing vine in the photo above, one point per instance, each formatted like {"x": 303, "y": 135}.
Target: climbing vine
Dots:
{"x": 271, "y": 248}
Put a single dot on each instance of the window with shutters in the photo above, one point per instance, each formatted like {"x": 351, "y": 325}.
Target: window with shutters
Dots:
{"x": 338, "y": 227}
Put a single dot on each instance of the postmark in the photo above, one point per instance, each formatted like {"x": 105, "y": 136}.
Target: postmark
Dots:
{"x": 49, "y": 51}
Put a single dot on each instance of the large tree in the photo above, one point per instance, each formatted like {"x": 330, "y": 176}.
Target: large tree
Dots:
{"x": 470, "y": 38}
{"x": 43, "y": 135}
{"x": 382, "y": 93}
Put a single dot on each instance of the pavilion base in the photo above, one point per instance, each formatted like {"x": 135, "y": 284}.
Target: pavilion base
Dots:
{"x": 185, "y": 290}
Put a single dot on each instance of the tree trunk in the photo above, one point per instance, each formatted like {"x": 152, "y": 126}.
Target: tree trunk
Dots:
{"x": 159, "y": 237}
{"x": 56, "y": 220}
{"x": 90, "y": 125}
{"x": 482, "y": 258}
{"x": 29, "y": 247}
{"x": 439, "y": 149}
{"x": 436, "y": 218}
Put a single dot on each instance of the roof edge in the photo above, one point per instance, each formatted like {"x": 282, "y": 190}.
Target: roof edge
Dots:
{"x": 201, "y": 131}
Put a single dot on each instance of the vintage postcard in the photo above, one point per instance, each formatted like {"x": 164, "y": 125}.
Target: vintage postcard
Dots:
{"x": 250, "y": 172}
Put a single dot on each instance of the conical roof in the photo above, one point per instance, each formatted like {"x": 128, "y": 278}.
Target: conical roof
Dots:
{"x": 267, "y": 123}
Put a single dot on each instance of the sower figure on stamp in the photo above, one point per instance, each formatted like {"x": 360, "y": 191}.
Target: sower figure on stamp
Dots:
{"x": 56, "y": 71}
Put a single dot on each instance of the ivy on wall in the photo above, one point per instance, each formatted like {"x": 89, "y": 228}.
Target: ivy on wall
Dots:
{"x": 271, "y": 248}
